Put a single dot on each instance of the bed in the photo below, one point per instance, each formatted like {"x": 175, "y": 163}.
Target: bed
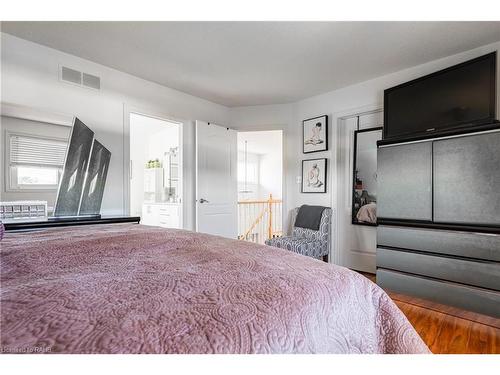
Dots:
{"x": 128, "y": 288}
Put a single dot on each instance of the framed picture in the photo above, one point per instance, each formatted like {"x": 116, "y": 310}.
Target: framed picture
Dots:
{"x": 315, "y": 134}
{"x": 314, "y": 176}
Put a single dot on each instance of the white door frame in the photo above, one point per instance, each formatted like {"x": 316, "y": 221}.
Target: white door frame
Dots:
{"x": 342, "y": 186}
{"x": 127, "y": 111}
{"x": 284, "y": 205}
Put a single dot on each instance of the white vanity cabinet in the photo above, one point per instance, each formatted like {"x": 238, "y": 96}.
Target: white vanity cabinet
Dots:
{"x": 165, "y": 215}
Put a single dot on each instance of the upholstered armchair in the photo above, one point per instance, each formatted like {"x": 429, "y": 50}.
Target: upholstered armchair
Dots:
{"x": 305, "y": 241}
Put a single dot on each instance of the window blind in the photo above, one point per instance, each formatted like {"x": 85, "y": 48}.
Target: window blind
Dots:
{"x": 37, "y": 151}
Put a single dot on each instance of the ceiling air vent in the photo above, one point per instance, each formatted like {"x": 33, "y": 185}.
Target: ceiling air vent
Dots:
{"x": 76, "y": 77}
{"x": 91, "y": 81}
{"x": 71, "y": 75}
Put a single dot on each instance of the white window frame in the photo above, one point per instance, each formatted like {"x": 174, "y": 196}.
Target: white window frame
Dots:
{"x": 10, "y": 169}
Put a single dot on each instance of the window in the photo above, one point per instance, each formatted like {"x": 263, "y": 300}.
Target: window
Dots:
{"x": 252, "y": 172}
{"x": 35, "y": 163}
{"x": 37, "y": 176}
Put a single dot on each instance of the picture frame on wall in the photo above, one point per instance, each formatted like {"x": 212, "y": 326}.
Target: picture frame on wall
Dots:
{"x": 315, "y": 134}
{"x": 314, "y": 175}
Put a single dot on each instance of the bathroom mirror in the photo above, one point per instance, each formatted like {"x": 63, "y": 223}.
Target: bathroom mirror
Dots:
{"x": 364, "y": 189}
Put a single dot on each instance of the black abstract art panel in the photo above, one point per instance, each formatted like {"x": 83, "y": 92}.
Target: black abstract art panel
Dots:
{"x": 75, "y": 167}
{"x": 95, "y": 181}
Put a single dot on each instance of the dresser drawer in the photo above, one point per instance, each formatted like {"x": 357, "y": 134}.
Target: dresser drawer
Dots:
{"x": 150, "y": 214}
{"x": 171, "y": 210}
{"x": 476, "y": 273}
{"x": 465, "y": 244}
{"x": 163, "y": 215}
{"x": 469, "y": 298}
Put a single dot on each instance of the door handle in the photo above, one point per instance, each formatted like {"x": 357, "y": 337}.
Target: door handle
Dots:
{"x": 204, "y": 201}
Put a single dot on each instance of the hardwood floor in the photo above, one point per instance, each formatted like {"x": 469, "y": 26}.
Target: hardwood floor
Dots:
{"x": 449, "y": 330}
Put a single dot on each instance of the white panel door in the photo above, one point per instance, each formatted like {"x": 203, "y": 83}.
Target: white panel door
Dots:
{"x": 216, "y": 180}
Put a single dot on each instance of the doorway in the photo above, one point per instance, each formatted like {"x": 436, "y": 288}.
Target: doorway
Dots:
{"x": 260, "y": 185}
{"x": 156, "y": 171}
{"x": 355, "y": 179}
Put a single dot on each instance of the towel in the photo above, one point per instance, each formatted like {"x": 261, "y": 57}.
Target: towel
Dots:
{"x": 309, "y": 217}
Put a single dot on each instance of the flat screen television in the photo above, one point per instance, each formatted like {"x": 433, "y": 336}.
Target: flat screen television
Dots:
{"x": 460, "y": 97}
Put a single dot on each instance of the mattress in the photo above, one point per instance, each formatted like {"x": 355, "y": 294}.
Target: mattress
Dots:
{"x": 128, "y": 288}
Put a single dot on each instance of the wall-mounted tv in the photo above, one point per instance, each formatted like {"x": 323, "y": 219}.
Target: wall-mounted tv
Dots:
{"x": 460, "y": 97}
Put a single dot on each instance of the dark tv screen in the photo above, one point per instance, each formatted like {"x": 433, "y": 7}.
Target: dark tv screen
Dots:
{"x": 461, "y": 96}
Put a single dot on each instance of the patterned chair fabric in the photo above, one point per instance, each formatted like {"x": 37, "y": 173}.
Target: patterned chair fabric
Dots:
{"x": 305, "y": 241}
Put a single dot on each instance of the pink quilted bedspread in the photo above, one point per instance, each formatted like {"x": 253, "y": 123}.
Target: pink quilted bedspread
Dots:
{"x": 128, "y": 288}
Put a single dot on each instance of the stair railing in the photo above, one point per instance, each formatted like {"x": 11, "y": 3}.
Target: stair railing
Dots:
{"x": 259, "y": 220}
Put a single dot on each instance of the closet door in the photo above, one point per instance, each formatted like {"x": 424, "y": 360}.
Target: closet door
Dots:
{"x": 467, "y": 180}
{"x": 405, "y": 181}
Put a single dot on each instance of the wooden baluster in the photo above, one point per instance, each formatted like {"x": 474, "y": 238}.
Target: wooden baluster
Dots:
{"x": 259, "y": 227}
{"x": 265, "y": 224}
{"x": 262, "y": 234}
{"x": 274, "y": 220}
{"x": 270, "y": 228}
{"x": 256, "y": 229}
{"x": 280, "y": 219}
{"x": 275, "y": 217}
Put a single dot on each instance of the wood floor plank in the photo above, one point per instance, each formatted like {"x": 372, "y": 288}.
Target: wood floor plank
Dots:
{"x": 447, "y": 329}
{"x": 447, "y": 334}
{"x": 485, "y": 339}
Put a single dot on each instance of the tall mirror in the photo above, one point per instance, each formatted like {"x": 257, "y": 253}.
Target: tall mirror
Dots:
{"x": 33, "y": 144}
{"x": 364, "y": 190}
{"x": 51, "y": 165}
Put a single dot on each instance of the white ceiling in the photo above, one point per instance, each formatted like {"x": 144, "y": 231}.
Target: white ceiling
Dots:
{"x": 251, "y": 63}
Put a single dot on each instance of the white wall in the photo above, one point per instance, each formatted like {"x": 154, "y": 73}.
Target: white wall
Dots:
{"x": 29, "y": 75}
{"x": 336, "y": 104}
{"x": 270, "y": 174}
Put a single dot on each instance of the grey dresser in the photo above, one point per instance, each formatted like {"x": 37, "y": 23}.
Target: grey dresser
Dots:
{"x": 439, "y": 215}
